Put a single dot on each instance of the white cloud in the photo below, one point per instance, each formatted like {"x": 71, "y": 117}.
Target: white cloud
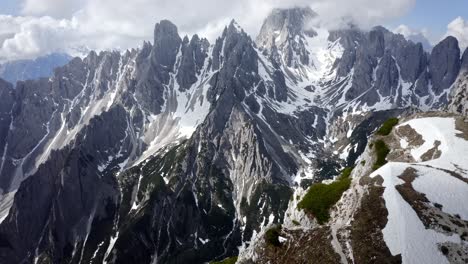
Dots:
{"x": 107, "y": 24}
{"x": 363, "y": 13}
{"x": 417, "y": 36}
{"x": 459, "y": 29}
{"x": 28, "y": 37}
{"x": 55, "y": 8}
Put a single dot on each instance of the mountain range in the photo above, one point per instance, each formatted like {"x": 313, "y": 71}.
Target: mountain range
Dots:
{"x": 185, "y": 151}
{"x": 42, "y": 67}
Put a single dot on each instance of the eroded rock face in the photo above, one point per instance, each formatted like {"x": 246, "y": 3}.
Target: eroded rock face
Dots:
{"x": 416, "y": 69}
{"x": 464, "y": 64}
{"x": 6, "y": 106}
{"x": 73, "y": 201}
{"x": 283, "y": 31}
{"x": 166, "y": 44}
{"x": 444, "y": 64}
{"x": 459, "y": 100}
{"x": 194, "y": 53}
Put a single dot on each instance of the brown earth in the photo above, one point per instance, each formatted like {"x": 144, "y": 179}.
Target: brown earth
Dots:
{"x": 311, "y": 247}
{"x": 366, "y": 229}
{"x": 433, "y": 153}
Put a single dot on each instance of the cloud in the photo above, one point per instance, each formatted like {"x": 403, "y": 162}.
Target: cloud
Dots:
{"x": 417, "y": 36}
{"x": 55, "y": 8}
{"x": 459, "y": 29}
{"x": 28, "y": 37}
{"x": 112, "y": 24}
{"x": 362, "y": 13}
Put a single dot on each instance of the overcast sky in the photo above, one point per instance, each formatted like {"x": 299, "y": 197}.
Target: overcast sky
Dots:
{"x": 30, "y": 28}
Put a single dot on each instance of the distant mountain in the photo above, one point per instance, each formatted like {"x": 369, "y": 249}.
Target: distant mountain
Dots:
{"x": 22, "y": 70}
{"x": 185, "y": 151}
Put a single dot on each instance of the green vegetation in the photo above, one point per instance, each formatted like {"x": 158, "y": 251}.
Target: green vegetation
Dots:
{"x": 321, "y": 197}
{"x": 231, "y": 260}
{"x": 381, "y": 150}
{"x": 272, "y": 236}
{"x": 363, "y": 162}
{"x": 387, "y": 126}
{"x": 296, "y": 222}
{"x": 346, "y": 172}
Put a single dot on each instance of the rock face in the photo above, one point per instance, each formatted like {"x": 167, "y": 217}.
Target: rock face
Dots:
{"x": 282, "y": 35}
{"x": 6, "y": 106}
{"x": 383, "y": 59}
{"x": 459, "y": 101}
{"x": 181, "y": 151}
{"x": 444, "y": 64}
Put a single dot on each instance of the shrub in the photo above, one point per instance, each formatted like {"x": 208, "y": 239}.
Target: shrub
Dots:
{"x": 381, "y": 150}
{"x": 387, "y": 126}
{"x": 272, "y": 236}
{"x": 321, "y": 197}
{"x": 295, "y": 222}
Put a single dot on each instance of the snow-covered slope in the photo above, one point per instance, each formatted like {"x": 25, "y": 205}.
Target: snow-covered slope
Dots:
{"x": 411, "y": 210}
{"x": 442, "y": 178}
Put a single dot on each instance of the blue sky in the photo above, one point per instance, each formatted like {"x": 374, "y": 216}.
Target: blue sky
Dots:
{"x": 39, "y": 27}
{"x": 10, "y": 7}
{"x": 433, "y": 15}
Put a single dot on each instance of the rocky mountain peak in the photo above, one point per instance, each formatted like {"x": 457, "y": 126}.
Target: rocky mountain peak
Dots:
{"x": 193, "y": 54}
{"x": 283, "y": 31}
{"x": 444, "y": 64}
{"x": 284, "y": 24}
{"x": 231, "y": 45}
{"x": 377, "y": 43}
{"x": 166, "y": 43}
{"x": 234, "y": 27}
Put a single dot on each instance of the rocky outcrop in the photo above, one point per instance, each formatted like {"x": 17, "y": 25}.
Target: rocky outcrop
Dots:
{"x": 444, "y": 64}
{"x": 459, "y": 95}
{"x": 359, "y": 224}
{"x": 414, "y": 67}
{"x": 194, "y": 53}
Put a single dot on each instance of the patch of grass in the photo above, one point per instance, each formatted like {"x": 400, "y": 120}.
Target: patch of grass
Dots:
{"x": 231, "y": 260}
{"x": 381, "y": 150}
{"x": 387, "y": 126}
{"x": 346, "y": 172}
{"x": 272, "y": 236}
{"x": 321, "y": 197}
